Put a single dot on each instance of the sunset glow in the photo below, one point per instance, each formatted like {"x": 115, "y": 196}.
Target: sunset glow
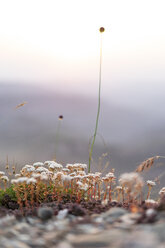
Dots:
{"x": 47, "y": 41}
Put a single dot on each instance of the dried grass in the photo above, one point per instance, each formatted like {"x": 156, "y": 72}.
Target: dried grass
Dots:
{"x": 147, "y": 164}
{"x": 21, "y": 105}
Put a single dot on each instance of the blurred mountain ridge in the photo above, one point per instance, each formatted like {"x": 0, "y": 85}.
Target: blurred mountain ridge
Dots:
{"x": 28, "y": 134}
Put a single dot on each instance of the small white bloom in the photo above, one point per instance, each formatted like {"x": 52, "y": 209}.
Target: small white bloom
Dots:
{"x": 151, "y": 201}
{"x": 5, "y": 178}
{"x": 84, "y": 187}
{"x": 17, "y": 175}
{"x": 118, "y": 188}
{"x": 73, "y": 174}
{"x": 78, "y": 177}
{"x": 38, "y": 164}
{"x": 151, "y": 183}
{"x": 104, "y": 202}
{"x": 2, "y": 173}
{"x": 69, "y": 166}
{"x": 28, "y": 168}
{"x": 105, "y": 179}
{"x": 14, "y": 181}
{"x": 66, "y": 178}
{"x": 82, "y": 173}
{"x": 44, "y": 177}
{"x": 36, "y": 175}
{"x": 82, "y": 166}
{"x": 98, "y": 173}
{"x": 48, "y": 162}
{"x": 31, "y": 180}
{"x": 65, "y": 170}
{"x": 22, "y": 179}
{"x": 55, "y": 166}
{"x": 162, "y": 191}
{"x": 110, "y": 175}
{"x": 42, "y": 169}
{"x": 79, "y": 183}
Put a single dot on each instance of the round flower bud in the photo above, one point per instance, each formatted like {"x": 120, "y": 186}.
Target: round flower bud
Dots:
{"x": 102, "y": 30}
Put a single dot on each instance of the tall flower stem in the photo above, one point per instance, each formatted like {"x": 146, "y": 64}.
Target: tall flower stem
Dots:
{"x": 99, "y": 102}
{"x": 60, "y": 118}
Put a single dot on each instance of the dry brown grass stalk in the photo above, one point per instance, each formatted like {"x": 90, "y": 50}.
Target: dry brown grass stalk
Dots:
{"x": 147, "y": 164}
{"x": 21, "y": 105}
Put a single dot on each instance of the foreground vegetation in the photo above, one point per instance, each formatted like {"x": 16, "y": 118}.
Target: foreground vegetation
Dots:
{"x": 50, "y": 181}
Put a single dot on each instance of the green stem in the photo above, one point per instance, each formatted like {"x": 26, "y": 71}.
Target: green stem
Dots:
{"x": 98, "y": 110}
{"x": 57, "y": 137}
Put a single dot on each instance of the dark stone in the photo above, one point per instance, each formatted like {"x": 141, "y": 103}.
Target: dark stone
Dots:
{"x": 77, "y": 210}
{"x": 45, "y": 213}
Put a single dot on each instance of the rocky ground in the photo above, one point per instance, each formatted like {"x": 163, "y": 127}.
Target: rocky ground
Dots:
{"x": 113, "y": 228}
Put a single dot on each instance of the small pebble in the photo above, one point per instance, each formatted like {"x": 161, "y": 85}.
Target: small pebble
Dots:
{"x": 151, "y": 212}
{"x": 62, "y": 214}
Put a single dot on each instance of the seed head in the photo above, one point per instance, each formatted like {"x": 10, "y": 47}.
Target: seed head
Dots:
{"x": 102, "y": 29}
{"x": 132, "y": 181}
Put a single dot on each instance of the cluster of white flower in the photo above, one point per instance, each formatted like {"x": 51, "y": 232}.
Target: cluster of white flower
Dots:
{"x": 3, "y": 178}
{"x": 76, "y": 167}
{"x": 54, "y": 172}
{"x": 109, "y": 177}
{"x": 162, "y": 192}
{"x": 55, "y": 166}
{"x": 38, "y": 164}
{"x": 50, "y": 171}
{"x": 27, "y": 169}
{"x": 56, "y": 179}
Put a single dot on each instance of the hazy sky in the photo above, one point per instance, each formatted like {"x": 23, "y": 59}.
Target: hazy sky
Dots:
{"x": 57, "y": 42}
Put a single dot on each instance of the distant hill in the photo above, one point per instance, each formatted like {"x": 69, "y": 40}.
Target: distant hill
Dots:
{"x": 28, "y": 134}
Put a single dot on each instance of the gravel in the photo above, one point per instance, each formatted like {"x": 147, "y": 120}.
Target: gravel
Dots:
{"x": 115, "y": 228}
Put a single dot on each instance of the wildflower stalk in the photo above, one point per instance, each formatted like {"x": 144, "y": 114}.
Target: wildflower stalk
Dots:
{"x": 106, "y": 190}
{"x": 98, "y": 109}
{"x": 38, "y": 191}
{"x": 32, "y": 195}
{"x": 123, "y": 198}
{"x": 149, "y": 192}
{"x": 99, "y": 191}
{"x": 18, "y": 195}
{"x": 54, "y": 192}
{"x": 110, "y": 193}
{"x": 95, "y": 190}
{"x": 60, "y": 118}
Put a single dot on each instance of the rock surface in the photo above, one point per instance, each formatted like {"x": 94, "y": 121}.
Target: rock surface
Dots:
{"x": 116, "y": 228}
